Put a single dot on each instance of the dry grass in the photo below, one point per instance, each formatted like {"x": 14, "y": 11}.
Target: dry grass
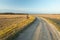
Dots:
{"x": 11, "y": 24}
{"x": 12, "y": 16}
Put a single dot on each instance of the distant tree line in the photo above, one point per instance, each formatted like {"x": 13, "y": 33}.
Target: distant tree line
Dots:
{"x": 13, "y": 13}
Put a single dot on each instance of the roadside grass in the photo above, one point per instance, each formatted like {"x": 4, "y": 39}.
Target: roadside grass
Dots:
{"x": 56, "y": 22}
{"x": 15, "y": 27}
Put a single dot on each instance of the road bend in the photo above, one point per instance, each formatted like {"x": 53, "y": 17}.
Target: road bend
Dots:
{"x": 39, "y": 30}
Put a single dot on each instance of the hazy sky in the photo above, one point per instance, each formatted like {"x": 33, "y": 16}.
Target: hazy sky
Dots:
{"x": 30, "y": 6}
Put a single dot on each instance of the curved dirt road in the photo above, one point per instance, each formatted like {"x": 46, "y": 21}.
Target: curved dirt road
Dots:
{"x": 39, "y": 30}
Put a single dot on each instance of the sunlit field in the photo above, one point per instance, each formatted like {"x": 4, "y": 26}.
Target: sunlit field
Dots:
{"x": 12, "y": 24}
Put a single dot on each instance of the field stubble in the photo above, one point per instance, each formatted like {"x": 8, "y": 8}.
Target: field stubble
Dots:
{"x": 10, "y": 24}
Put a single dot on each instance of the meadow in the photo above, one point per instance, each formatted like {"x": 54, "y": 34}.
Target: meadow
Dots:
{"x": 11, "y": 24}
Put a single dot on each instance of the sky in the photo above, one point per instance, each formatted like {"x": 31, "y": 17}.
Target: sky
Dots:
{"x": 30, "y": 6}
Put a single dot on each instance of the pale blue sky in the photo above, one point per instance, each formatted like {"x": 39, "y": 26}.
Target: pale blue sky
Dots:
{"x": 30, "y": 6}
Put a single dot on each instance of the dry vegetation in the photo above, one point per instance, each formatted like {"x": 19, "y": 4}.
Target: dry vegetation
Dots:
{"x": 10, "y": 24}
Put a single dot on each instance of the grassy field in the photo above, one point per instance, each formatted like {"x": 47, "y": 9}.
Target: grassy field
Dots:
{"x": 10, "y": 24}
